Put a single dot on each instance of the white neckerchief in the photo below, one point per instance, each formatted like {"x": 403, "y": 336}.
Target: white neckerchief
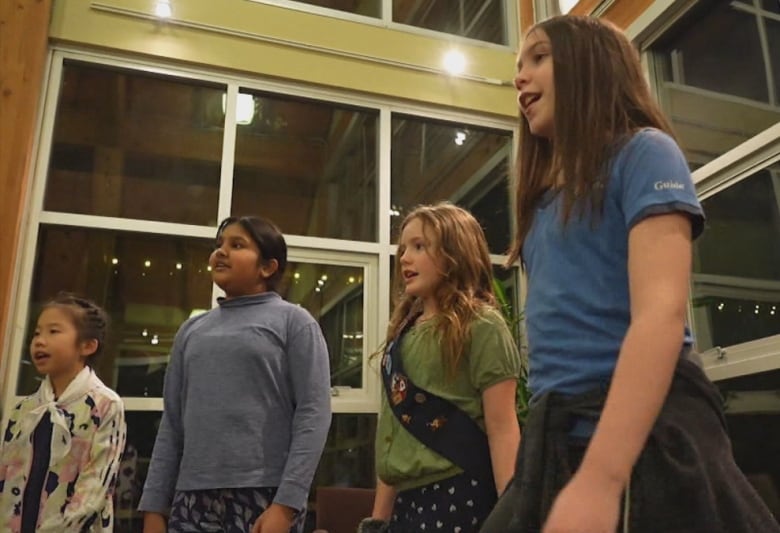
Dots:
{"x": 60, "y": 435}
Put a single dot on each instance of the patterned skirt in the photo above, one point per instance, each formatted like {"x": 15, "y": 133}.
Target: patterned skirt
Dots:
{"x": 222, "y": 510}
{"x": 454, "y": 505}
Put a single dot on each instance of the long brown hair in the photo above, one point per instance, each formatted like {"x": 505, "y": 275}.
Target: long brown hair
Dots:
{"x": 601, "y": 98}
{"x": 458, "y": 243}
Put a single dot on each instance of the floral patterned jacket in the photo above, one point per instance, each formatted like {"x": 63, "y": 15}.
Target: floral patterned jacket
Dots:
{"x": 88, "y": 438}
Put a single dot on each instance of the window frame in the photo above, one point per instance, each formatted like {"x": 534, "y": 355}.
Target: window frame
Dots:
{"x": 373, "y": 257}
{"x": 742, "y": 161}
{"x": 385, "y": 20}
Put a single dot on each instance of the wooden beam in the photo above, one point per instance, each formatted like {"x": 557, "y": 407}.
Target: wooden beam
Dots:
{"x": 527, "y": 16}
{"x": 24, "y": 27}
{"x": 623, "y": 12}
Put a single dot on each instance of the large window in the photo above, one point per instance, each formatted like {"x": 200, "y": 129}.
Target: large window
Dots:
{"x": 129, "y": 142}
{"x": 484, "y": 20}
{"x": 310, "y": 166}
{"x": 149, "y": 285}
{"x": 736, "y": 281}
{"x": 138, "y": 163}
{"x": 435, "y": 160}
{"x": 718, "y": 71}
{"x": 490, "y": 21}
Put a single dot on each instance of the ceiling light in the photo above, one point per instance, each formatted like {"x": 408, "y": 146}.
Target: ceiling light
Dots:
{"x": 566, "y": 5}
{"x": 163, "y": 9}
{"x": 454, "y": 62}
{"x": 245, "y": 108}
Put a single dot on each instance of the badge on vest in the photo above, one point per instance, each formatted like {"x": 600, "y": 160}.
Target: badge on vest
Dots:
{"x": 398, "y": 388}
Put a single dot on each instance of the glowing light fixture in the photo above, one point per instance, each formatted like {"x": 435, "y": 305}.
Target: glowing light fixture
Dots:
{"x": 566, "y": 5}
{"x": 454, "y": 62}
{"x": 245, "y": 108}
{"x": 163, "y": 9}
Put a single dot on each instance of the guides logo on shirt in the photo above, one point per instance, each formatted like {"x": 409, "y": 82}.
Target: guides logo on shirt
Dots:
{"x": 664, "y": 185}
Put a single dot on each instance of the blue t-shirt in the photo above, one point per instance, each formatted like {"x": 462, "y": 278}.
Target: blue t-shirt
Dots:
{"x": 578, "y": 308}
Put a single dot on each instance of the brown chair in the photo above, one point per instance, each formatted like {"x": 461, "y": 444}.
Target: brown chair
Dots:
{"x": 340, "y": 509}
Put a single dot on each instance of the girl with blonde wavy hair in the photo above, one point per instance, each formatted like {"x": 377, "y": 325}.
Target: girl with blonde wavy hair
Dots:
{"x": 448, "y": 429}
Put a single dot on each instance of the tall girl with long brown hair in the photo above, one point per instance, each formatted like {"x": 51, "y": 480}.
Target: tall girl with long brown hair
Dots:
{"x": 624, "y": 430}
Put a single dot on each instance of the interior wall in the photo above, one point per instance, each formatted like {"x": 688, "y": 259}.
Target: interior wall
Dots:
{"x": 24, "y": 25}
{"x": 288, "y": 44}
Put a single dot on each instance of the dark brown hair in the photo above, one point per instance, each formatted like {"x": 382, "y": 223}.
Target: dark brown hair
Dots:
{"x": 269, "y": 241}
{"x": 89, "y": 319}
{"x": 601, "y": 99}
{"x": 458, "y": 242}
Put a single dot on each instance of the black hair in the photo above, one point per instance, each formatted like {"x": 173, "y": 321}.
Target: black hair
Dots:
{"x": 89, "y": 319}
{"x": 269, "y": 240}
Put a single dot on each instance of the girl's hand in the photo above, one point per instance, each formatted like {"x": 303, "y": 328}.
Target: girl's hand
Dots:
{"x": 589, "y": 503}
{"x": 155, "y": 523}
{"x": 276, "y": 519}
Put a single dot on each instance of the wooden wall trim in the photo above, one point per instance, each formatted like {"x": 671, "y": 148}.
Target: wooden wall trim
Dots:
{"x": 527, "y": 16}
{"x": 24, "y": 28}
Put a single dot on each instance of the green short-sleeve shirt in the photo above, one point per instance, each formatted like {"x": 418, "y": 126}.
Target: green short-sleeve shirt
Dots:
{"x": 401, "y": 460}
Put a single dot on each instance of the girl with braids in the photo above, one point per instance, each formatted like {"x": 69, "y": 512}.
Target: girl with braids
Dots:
{"x": 62, "y": 445}
{"x": 448, "y": 429}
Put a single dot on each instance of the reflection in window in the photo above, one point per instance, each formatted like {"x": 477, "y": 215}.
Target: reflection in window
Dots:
{"x": 713, "y": 112}
{"x": 752, "y": 405}
{"x": 773, "y": 39}
{"x": 309, "y": 166}
{"x": 142, "y": 429}
{"x": 489, "y": 203}
{"x": 334, "y": 296}
{"x": 433, "y": 161}
{"x": 125, "y": 143}
{"x": 484, "y": 20}
{"x": 736, "y": 281}
{"x": 148, "y": 284}
{"x": 773, "y": 6}
{"x": 348, "y": 459}
{"x": 369, "y": 8}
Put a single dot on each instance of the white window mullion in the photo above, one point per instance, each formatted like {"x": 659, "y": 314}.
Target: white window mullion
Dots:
{"x": 387, "y": 11}
{"x": 226, "y": 169}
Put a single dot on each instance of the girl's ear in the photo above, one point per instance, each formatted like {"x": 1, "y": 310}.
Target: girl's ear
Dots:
{"x": 88, "y": 347}
{"x": 269, "y": 268}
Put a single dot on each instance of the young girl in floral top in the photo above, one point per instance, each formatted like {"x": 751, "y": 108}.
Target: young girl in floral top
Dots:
{"x": 61, "y": 447}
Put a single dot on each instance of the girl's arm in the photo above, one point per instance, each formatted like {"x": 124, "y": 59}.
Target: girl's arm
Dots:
{"x": 503, "y": 430}
{"x": 383, "y": 501}
{"x": 659, "y": 263}
{"x": 96, "y": 480}
{"x": 310, "y": 378}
